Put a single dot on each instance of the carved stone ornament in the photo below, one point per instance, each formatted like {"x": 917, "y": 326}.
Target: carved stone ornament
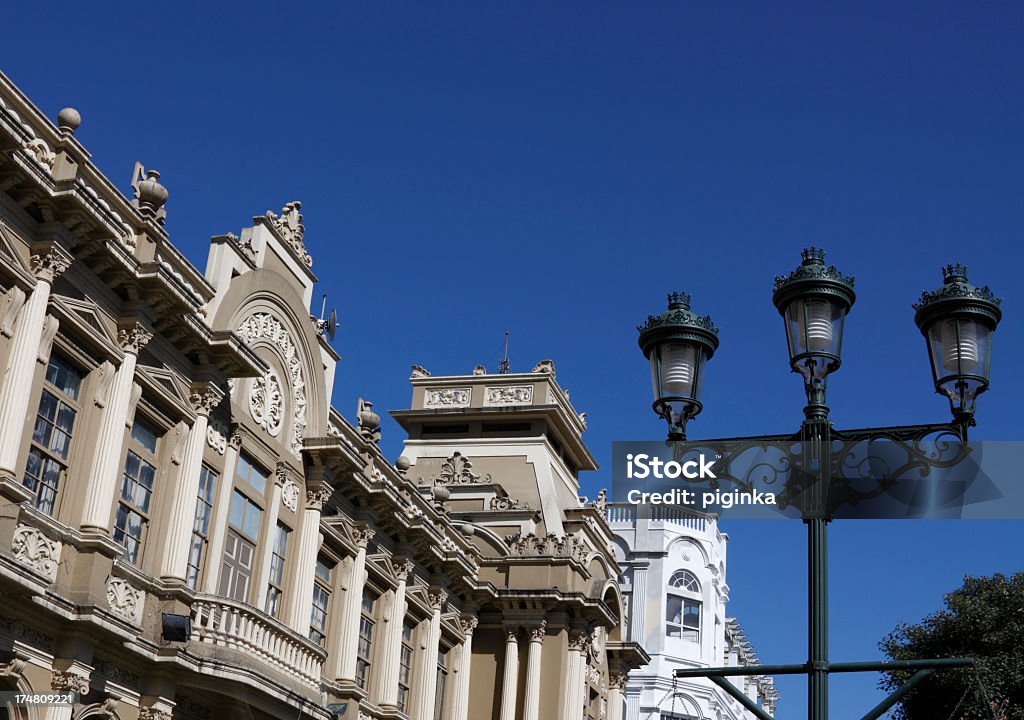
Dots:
{"x": 577, "y": 641}
{"x": 456, "y": 471}
{"x": 263, "y": 326}
{"x": 289, "y": 226}
{"x": 403, "y": 568}
{"x": 50, "y": 325}
{"x": 537, "y": 633}
{"x": 133, "y": 337}
{"x": 10, "y": 305}
{"x": 437, "y": 598}
{"x": 468, "y": 623}
{"x": 448, "y": 397}
{"x": 418, "y": 371}
{"x": 550, "y": 545}
{"x": 216, "y": 440}
{"x": 618, "y": 681}
{"x": 547, "y": 367}
{"x": 49, "y": 264}
{"x": 33, "y": 549}
{"x": 104, "y": 382}
{"x": 361, "y": 534}
{"x": 204, "y": 398}
{"x": 39, "y": 151}
{"x": 317, "y": 497}
{"x": 153, "y": 713}
{"x": 290, "y": 495}
{"x": 69, "y": 681}
{"x": 509, "y": 395}
{"x": 266, "y": 403}
{"x": 507, "y": 503}
{"x": 124, "y": 600}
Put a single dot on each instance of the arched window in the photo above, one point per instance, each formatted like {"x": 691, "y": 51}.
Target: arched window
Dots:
{"x": 682, "y": 606}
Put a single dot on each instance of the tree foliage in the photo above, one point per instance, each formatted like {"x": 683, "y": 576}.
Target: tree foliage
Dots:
{"x": 984, "y": 619}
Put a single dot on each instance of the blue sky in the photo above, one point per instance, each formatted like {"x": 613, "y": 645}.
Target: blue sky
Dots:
{"x": 554, "y": 169}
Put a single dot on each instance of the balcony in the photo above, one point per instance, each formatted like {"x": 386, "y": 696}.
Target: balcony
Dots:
{"x": 619, "y": 513}
{"x": 225, "y": 623}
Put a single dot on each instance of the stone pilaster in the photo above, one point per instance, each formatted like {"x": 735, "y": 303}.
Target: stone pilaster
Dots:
{"x": 636, "y": 604}
{"x": 174, "y": 563}
{"x": 391, "y": 650}
{"x": 534, "y": 653}
{"x": 426, "y": 669}
{"x": 460, "y": 698}
{"x": 106, "y": 470}
{"x": 74, "y": 679}
{"x": 48, "y": 263}
{"x": 574, "y": 687}
{"x": 300, "y": 593}
{"x": 616, "y": 687}
{"x": 352, "y": 603}
{"x": 510, "y": 675}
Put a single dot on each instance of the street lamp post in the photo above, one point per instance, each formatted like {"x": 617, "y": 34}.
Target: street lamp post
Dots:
{"x": 957, "y": 321}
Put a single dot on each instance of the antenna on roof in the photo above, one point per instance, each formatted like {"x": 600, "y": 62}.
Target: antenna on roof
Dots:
{"x": 503, "y": 365}
{"x": 330, "y": 325}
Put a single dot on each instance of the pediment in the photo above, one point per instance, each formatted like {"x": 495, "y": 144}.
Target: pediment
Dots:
{"x": 87, "y": 317}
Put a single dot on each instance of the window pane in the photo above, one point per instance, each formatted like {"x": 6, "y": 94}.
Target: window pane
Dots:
{"x": 323, "y": 571}
{"x": 252, "y": 520}
{"x": 63, "y": 376}
{"x": 674, "y": 609}
{"x": 237, "y": 509}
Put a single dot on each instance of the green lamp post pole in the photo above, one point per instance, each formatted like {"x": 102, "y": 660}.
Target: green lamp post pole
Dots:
{"x": 957, "y": 321}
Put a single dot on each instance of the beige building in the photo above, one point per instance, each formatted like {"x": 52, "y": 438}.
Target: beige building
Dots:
{"x": 169, "y": 457}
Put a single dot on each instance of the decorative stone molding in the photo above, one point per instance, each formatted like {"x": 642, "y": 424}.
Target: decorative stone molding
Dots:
{"x": 479, "y": 370}
{"x": 69, "y": 681}
{"x": 361, "y": 534}
{"x": 437, "y": 597}
{"x": 289, "y": 226}
{"x": 50, "y": 325}
{"x": 263, "y": 326}
{"x": 104, "y": 381}
{"x": 124, "y": 600}
{"x": 508, "y": 395}
{"x": 180, "y": 440}
{"x": 537, "y": 633}
{"x": 317, "y": 496}
{"x": 216, "y": 440}
{"x": 468, "y": 623}
{"x": 235, "y": 437}
{"x": 39, "y": 151}
{"x": 550, "y": 545}
{"x": 578, "y": 641}
{"x": 154, "y": 713}
{"x": 507, "y": 503}
{"x": 133, "y": 336}
{"x": 266, "y": 402}
{"x": 34, "y": 550}
{"x": 402, "y": 567}
{"x": 205, "y": 397}
{"x": 290, "y": 495}
{"x": 448, "y": 397}
{"x": 10, "y": 305}
{"x": 618, "y": 681}
{"x": 418, "y": 371}
{"x": 49, "y": 263}
{"x": 456, "y": 471}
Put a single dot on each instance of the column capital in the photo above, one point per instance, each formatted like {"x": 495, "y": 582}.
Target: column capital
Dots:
{"x": 71, "y": 680}
{"x": 205, "y": 396}
{"x": 133, "y": 335}
{"x": 618, "y": 680}
{"x": 317, "y": 495}
{"x": 361, "y": 533}
{"x": 235, "y": 436}
{"x": 48, "y": 261}
{"x": 437, "y": 596}
{"x": 468, "y": 623}
{"x": 538, "y": 632}
{"x": 402, "y": 567}
{"x": 578, "y": 640}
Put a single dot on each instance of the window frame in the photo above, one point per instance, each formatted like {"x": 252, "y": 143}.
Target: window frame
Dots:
{"x": 278, "y": 557}
{"x": 441, "y": 682}
{"x": 405, "y": 663}
{"x": 321, "y": 589}
{"x": 684, "y": 587}
{"x": 201, "y": 524}
{"x": 146, "y": 457}
{"x": 364, "y": 640}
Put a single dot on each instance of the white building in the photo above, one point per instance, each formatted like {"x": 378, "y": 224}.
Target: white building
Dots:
{"x": 673, "y": 563}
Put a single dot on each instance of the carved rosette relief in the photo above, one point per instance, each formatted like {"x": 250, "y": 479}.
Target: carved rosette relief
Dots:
{"x": 215, "y": 439}
{"x": 290, "y": 495}
{"x": 33, "y": 549}
{"x": 124, "y": 600}
{"x": 263, "y": 405}
{"x": 509, "y": 395}
{"x": 448, "y": 397}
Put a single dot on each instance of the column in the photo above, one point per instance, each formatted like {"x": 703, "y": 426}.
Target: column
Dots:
{"x": 28, "y": 333}
{"x": 616, "y": 686}
{"x": 174, "y": 564}
{"x": 637, "y": 601}
{"x": 573, "y": 709}
{"x": 261, "y": 571}
{"x": 299, "y": 595}
{"x": 391, "y": 650}
{"x": 633, "y": 703}
{"x": 426, "y": 669}
{"x": 361, "y": 534}
{"x": 510, "y": 678}
{"x": 219, "y": 521}
{"x": 460, "y": 699}
{"x": 531, "y": 695}
{"x": 106, "y": 471}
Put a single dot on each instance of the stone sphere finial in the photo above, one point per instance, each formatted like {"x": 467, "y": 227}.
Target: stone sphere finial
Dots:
{"x": 69, "y": 119}
{"x": 151, "y": 193}
{"x": 402, "y": 464}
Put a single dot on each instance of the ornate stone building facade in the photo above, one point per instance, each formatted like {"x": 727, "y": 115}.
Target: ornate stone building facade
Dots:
{"x": 169, "y": 457}
{"x": 673, "y": 564}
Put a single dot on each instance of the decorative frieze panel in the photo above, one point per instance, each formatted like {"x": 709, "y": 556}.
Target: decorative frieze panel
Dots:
{"x": 290, "y": 495}
{"x": 448, "y": 397}
{"x": 266, "y": 403}
{"x": 216, "y": 439}
{"x": 124, "y": 600}
{"x": 550, "y": 545}
{"x": 509, "y": 395}
{"x": 34, "y": 550}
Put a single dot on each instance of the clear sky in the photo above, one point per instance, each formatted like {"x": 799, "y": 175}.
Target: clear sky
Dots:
{"x": 553, "y": 169}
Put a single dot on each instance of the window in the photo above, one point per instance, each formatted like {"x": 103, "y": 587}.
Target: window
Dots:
{"x": 251, "y": 473}
{"x": 405, "y": 668}
{"x": 274, "y": 583}
{"x": 136, "y": 490}
{"x": 244, "y": 518}
{"x": 201, "y": 524}
{"x": 321, "y": 599}
{"x": 365, "y": 644}
{"x": 682, "y": 609}
{"x": 442, "y": 683}
{"x": 51, "y": 436}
